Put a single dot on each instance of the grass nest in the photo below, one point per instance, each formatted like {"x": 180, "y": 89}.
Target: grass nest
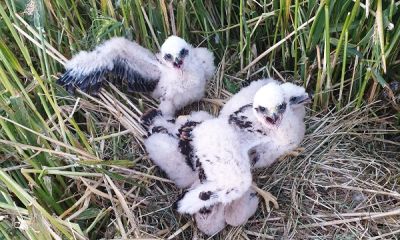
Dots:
{"x": 344, "y": 185}
{"x": 75, "y": 168}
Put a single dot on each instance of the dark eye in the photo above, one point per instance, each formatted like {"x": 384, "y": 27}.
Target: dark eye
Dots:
{"x": 293, "y": 99}
{"x": 282, "y": 107}
{"x": 261, "y": 109}
{"x": 168, "y": 57}
{"x": 183, "y": 52}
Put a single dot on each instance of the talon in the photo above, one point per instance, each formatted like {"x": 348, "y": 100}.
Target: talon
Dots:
{"x": 296, "y": 152}
{"x": 268, "y": 197}
{"x": 185, "y": 134}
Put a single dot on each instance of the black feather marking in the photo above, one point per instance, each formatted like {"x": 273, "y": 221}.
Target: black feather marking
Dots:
{"x": 240, "y": 120}
{"x": 63, "y": 79}
{"x": 246, "y": 83}
{"x": 205, "y": 210}
{"x": 159, "y": 129}
{"x": 254, "y": 156}
{"x": 205, "y": 195}
{"x": 135, "y": 81}
{"x": 89, "y": 83}
{"x": 84, "y": 83}
{"x": 229, "y": 191}
{"x": 202, "y": 173}
{"x": 185, "y": 146}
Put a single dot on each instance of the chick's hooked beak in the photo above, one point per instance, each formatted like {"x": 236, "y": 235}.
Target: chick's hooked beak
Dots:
{"x": 273, "y": 119}
{"x": 178, "y": 62}
{"x": 303, "y": 99}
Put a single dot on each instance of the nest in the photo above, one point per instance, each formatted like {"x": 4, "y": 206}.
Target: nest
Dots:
{"x": 343, "y": 185}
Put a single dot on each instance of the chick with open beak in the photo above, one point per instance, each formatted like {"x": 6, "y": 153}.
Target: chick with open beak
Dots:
{"x": 176, "y": 57}
{"x": 270, "y": 105}
{"x": 273, "y": 116}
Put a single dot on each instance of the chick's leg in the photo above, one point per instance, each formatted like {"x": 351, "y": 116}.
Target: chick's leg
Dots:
{"x": 268, "y": 197}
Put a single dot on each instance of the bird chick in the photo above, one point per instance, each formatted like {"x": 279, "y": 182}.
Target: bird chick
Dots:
{"x": 176, "y": 76}
{"x": 272, "y": 124}
{"x": 220, "y": 147}
{"x": 269, "y": 119}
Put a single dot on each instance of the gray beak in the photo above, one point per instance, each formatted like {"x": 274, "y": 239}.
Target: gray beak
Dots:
{"x": 306, "y": 98}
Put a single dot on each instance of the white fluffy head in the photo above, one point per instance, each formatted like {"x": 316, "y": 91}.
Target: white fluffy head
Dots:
{"x": 174, "y": 51}
{"x": 270, "y": 104}
{"x": 269, "y": 96}
{"x": 273, "y": 101}
{"x": 295, "y": 95}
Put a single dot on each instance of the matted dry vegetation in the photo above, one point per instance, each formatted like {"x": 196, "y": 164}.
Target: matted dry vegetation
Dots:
{"x": 74, "y": 167}
{"x": 344, "y": 185}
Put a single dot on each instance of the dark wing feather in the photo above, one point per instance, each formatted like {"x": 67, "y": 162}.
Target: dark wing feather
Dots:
{"x": 135, "y": 80}
{"x": 240, "y": 119}
{"x": 185, "y": 142}
{"x": 119, "y": 60}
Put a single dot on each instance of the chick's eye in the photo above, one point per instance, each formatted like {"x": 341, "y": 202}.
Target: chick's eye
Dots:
{"x": 168, "y": 56}
{"x": 282, "y": 107}
{"x": 261, "y": 109}
{"x": 183, "y": 52}
{"x": 293, "y": 99}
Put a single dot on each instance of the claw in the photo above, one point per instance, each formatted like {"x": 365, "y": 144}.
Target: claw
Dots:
{"x": 268, "y": 197}
{"x": 296, "y": 152}
{"x": 185, "y": 134}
